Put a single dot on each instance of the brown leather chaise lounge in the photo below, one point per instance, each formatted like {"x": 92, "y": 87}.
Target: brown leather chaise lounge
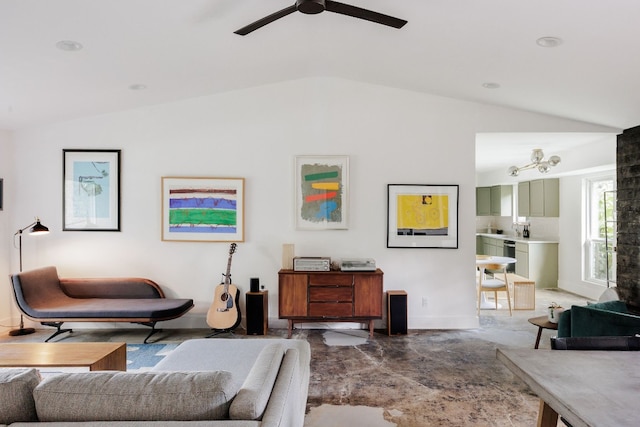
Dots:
{"x": 44, "y": 297}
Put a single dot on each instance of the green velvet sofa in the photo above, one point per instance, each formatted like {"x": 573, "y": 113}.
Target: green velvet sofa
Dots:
{"x": 610, "y": 318}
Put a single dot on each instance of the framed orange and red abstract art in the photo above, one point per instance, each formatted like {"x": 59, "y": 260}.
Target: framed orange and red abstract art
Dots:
{"x": 322, "y": 192}
{"x": 422, "y": 216}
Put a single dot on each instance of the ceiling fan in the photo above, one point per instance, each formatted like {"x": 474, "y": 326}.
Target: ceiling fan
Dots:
{"x": 312, "y": 7}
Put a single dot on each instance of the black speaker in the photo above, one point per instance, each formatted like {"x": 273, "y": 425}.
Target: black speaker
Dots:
{"x": 254, "y": 284}
{"x": 397, "y": 312}
{"x": 257, "y": 306}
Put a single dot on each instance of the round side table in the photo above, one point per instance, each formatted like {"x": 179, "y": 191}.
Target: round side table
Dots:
{"x": 542, "y": 322}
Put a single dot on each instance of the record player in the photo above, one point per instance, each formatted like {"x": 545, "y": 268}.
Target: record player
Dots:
{"x": 358, "y": 264}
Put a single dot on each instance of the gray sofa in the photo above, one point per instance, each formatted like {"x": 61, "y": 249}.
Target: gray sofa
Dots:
{"x": 216, "y": 383}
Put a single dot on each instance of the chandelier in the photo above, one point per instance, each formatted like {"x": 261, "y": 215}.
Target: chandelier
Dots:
{"x": 537, "y": 161}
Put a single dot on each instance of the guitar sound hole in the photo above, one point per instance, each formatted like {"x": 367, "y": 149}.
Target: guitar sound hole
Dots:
{"x": 224, "y": 297}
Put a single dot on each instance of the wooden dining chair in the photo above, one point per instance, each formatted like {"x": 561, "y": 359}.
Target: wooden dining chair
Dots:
{"x": 494, "y": 284}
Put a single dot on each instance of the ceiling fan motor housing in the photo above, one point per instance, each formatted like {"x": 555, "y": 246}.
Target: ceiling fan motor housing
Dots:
{"x": 310, "y": 7}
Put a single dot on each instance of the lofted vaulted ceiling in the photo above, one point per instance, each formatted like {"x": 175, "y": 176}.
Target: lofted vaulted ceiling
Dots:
{"x": 182, "y": 49}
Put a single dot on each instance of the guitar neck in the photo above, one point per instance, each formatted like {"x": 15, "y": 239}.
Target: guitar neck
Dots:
{"x": 227, "y": 276}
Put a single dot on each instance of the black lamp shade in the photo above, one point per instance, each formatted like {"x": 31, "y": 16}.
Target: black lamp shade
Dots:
{"x": 38, "y": 228}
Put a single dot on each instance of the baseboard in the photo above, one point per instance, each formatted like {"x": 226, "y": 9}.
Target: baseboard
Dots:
{"x": 583, "y": 289}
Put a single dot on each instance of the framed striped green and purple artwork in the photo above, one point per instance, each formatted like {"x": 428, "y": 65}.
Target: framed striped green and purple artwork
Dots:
{"x": 322, "y": 192}
{"x": 203, "y": 209}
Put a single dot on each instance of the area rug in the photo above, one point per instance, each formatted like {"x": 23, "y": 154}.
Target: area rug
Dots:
{"x": 143, "y": 357}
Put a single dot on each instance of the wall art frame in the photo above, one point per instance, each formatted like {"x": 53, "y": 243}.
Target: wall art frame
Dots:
{"x": 203, "y": 209}
{"x": 91, "y": 190}
{"x": 1, "y": 194}
{"x": 422, "y": 216}
{"x": 322, "y": 192}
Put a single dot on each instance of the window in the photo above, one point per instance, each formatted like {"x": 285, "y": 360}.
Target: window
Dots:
{"x": 600, "y": 230}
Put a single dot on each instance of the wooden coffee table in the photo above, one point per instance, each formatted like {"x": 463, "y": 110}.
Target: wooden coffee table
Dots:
{"x": 586, "y": 388}
{"x": 103, "y": 356}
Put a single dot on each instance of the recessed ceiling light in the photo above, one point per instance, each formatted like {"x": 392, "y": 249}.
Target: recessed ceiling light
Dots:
{"x": 491, "y": 85}
{"x": 549, "y": 41}
{"x": 138, "y": 86}
{"x": 68, "y": 45}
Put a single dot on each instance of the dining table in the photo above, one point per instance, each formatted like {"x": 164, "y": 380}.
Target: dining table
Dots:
{"x": 490, "y": 262}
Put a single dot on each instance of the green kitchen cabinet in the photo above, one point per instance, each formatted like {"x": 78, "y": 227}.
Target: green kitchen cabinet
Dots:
{"x": 490, "y": 246}
{"x": 523, "y": 199}
{"x": 539, "y": 198}
{"x": 539, "y": 262}
{"x": 494, "y": 201}
{"x": 501, "y": 200}
{"x": 483, "y": 201}
{"x": 544, "y": 198}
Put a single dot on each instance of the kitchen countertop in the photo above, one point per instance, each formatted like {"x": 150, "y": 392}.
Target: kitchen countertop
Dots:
{"x": 519, "y": 239}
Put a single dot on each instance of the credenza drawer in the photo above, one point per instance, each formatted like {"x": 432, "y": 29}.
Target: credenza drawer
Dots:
{"x": 330, "y": 294}
{"x": 330, "y": 309}
{"x": 328, "y": 279}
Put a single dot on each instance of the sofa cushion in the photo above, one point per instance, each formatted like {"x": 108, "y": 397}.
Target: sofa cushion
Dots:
{"x": 617, "y": 306}
{"x": 16, "y": 395}
{"x": 253, "y": 396}
{"x": 590, "y": 322}
{"x": 567, "y": 327}
{"x": 146, "y": 396}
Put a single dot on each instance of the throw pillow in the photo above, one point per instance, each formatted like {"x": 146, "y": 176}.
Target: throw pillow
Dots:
{"x": 253, "y": 396}
{"x": 147, "y": 396}
{"x": 16, "y": 395}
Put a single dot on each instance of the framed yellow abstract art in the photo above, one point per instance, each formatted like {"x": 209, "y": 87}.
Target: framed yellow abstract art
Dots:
{"x": 422, "y": 216}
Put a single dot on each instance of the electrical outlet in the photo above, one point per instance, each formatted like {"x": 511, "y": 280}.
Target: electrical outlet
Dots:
{"x": 424, "y": 301}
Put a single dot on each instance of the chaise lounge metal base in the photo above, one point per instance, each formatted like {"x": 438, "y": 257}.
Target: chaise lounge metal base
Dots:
{"x": 59, "y": 330}
{"x": 44, "y": 297}
{"x": 216, "y": 332}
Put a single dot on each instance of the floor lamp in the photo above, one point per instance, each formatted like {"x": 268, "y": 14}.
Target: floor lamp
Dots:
{"x": 35, "y": 228}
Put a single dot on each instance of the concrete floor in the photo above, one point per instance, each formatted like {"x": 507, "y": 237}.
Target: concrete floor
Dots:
{"x": 424, "y": 378}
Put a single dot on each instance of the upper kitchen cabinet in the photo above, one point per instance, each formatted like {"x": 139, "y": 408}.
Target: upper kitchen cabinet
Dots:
{"x": 494, "y": 201}
{"x": 501, "y": 200}
{"x": 523, "y": 199}
{"x": 483, "y": 201}
{"x": 539, "y": 198}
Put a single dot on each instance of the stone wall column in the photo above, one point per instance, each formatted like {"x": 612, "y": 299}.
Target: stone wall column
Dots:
{"x": 628, "y": 219}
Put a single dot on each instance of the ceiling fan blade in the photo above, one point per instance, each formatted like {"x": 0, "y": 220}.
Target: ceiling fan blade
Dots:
{"x": 368, "y": 15}
{"x": 266, "y": 20}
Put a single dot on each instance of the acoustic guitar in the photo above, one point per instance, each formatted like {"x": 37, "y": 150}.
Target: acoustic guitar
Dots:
{"x": 224, "y": 313}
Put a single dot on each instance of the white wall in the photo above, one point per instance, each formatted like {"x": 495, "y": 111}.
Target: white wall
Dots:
{"x": 598, "y": 159}
{"x": 6, "y": 157}
{"x": 573, "y": 233}
{"x": 391, "y": 136}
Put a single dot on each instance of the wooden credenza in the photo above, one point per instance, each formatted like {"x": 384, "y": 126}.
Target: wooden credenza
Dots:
{"x": 330, "y": 297}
